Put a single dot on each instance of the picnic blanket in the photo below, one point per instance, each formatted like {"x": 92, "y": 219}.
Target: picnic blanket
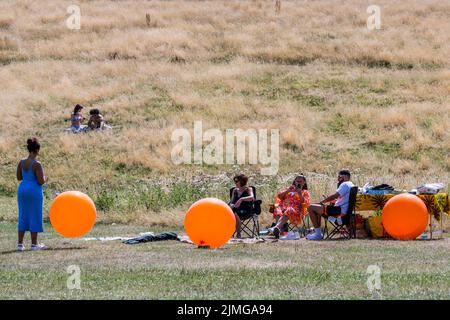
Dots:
{"x": 85, "y": 128}
{"x": 103, "y": 239}
{"x": 185, "y": 239}
{"x": 117, "y": 238}
{"x": 436, "y": 203}
{"x": 152, "y": 238}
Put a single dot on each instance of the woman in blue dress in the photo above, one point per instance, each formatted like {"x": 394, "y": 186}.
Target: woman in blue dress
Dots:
{"x": 30, "y": 196}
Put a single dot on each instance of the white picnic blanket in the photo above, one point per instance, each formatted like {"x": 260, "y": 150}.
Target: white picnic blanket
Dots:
{"x": 84, "y": 128}
{"x": 185, "y": 239}
{"x": 116, "y": 238}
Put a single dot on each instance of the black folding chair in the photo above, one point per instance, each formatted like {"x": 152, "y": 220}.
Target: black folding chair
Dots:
{"x": 302, "y": 228}
{"x": 250, "y": 225}
{"x": 346, "y": 229}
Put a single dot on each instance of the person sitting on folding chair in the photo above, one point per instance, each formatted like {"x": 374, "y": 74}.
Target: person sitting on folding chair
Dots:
{"x": 289, "y": 205}
{"x": 337, "y": 210}
{"x": 241, "y": 201}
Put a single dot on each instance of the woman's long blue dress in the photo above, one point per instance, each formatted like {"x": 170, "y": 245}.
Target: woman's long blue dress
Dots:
{"x": 30, "y": 199}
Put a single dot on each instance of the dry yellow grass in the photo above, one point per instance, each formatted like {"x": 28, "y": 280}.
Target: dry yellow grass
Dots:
{"x": 342, "y": 95}
{"x": 377, "y": 102}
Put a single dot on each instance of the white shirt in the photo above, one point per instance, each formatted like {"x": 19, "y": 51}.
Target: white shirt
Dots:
{"x": 344, "y": 195}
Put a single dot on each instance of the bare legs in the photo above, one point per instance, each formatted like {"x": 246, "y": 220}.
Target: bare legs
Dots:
{"x": 315, "y": 213}
{"x": 21, "y": 235}
{"x": 34, "y": 238}
{"x": 281, "y": 221}
{"x": 238, "y": 226}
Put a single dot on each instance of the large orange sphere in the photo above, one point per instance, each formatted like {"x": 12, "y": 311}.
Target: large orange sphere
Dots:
{"x": 210, "y": 222}
{"x": 405, "y": 217}
{"x": 72, "y": 214}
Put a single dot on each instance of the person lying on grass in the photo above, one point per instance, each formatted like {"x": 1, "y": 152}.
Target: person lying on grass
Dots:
{"x": 291, "y": 203}
{"x": 241, "y": 201}
{"x": 338, "y": 209}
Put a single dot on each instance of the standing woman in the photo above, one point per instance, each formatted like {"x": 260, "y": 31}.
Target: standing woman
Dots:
{"x": 30, "y": 196}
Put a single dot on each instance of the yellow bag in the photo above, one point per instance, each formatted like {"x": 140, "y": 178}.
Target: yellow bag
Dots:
{"x": 376, "y": 227}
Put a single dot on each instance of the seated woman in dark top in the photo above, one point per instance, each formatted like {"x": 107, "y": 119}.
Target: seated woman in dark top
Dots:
{"x": 241, "y": 201}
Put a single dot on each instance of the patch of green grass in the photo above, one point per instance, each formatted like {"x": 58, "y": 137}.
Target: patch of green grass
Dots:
{"x": 173, "y": 270}
{"x": 373, "y": 62}
{"x": 223, "y": 58}
{"x": 314, "y": 101}
{"x": 292, "y": 61}
{"x": 384, "y": 148}
{"x": 292, "y": 147}
{"x": 438, "y": 155}
{"x": 330, "y": 83}
{"x": 6, "y": 192}
{"x": 426, "y": 123}
{"x": 360, "y": 91}
{"x": 338, "y": 125}
{"x": 384, "y": 102}
{"x": 369, "y": 100}
{"x": 276, "y": 87}
{"x": 161, "y": 104}
{"x": 148, "y": 197}
{"x": 9, "y": 57}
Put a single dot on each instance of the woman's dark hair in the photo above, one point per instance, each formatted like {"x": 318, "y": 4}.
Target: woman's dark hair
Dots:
{"x": 77, "y": 108}
{"x": 94, "y": 112}
{"x": 305, "y": 186}
{"x": 242, "y": 178}
{"x": 33, "y": 145}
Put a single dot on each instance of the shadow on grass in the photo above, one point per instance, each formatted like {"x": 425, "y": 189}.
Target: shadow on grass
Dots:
{"x": 49, "y": 249}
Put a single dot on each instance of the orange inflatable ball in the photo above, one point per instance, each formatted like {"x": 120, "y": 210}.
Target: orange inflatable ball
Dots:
{"x": 72, "y": 214}
{"x": 210, "y": 222}
{"x": 405, "y": 217}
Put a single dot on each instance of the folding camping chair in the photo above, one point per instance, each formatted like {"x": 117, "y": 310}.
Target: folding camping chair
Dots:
{"x": 302, "y": 228}
{"x": 250, "y": 226}
{"x": 346, "y": 229}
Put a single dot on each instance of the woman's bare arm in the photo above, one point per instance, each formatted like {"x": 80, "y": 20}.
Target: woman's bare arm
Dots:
{"x": 281, "y": 195}
{"x": 233, "y": 196}
{"x": 249, "y": 197}
{"x": 19, "y": 171}
{"x": 39, "y": 171}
